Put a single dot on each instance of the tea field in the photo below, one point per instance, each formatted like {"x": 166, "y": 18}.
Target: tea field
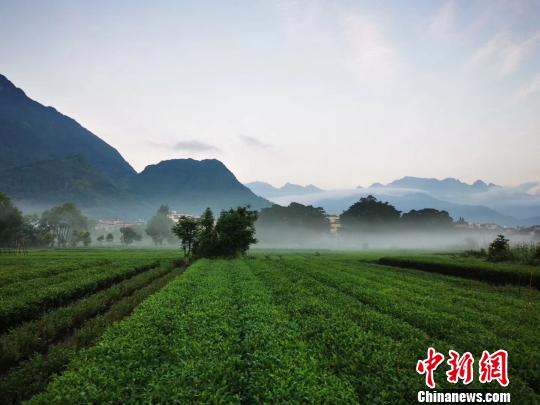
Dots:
{"x": 272, "y": 327}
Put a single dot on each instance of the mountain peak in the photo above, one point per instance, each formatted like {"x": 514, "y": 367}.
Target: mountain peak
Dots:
{"x": 8, "y": 87}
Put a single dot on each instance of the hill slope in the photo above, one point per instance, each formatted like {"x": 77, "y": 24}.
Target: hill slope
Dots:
{"x": 190, "y": 185}
{"x": 31, "y": 132}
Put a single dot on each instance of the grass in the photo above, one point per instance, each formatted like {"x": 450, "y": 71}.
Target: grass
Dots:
{"x": 333, "y": 328}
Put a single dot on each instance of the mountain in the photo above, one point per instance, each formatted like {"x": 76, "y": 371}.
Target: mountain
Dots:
{"x": 31, "y": 132}
{"x": 189, "y": 186}
{"x": 47, "y": 158}
{"x": 436, "y": 186}
{"x": 267, "y": 190}
{"x": 407, "y": 202}
{"x": 38, "y": 186}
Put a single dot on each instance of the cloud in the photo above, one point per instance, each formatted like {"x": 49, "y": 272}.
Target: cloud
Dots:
{"x": 531, "y": 88}
{"x": 371, "y": 55}
{"x": 505, "y": 55}
{"x": 254, "y": 142}
{"x": 443, "y": 20}
{"x": 191, "y": 145}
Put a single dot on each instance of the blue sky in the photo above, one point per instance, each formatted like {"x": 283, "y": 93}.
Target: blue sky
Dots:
{"x": 336, "y": 93}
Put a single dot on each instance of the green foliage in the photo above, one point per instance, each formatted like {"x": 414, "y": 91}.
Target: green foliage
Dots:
{"x": 26, "y": 298}
{"x": 427, "y": 218}
{"x": 235, "y": 231}
{"x": 160, "y": 226}
{"x": 35, "y": 336}
{"x": 11, "y": 221}
{"x": 62, "y": 221}
{"x": 230, "y": 236}
{"x": 33, "y": 375}
{"x": 294, "y": 216}
{"x": 468, "y": 266}
{"x": 369, "y": 214}
{"x": 187, "y": 231}
{"x": 301, "y": 329}
{"x": 129, "y": 235}
{"x": 499, "y": 250}
{"x": 109, "y": 238}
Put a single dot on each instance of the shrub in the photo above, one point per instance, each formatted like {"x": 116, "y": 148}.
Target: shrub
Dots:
{"x": 499, "y": 249}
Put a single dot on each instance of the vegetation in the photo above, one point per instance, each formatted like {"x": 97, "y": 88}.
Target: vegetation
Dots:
{"x": 467, "y": 267}
{"x": 230, "y": 236}
{"x": 499, "y": 250}
{"x": 11, "y": 221}
{"x": 34, "y": 351}
{"x": 302, "y": 328}
{"x": 28, "y": 293}
{"x": 427, "y": 218}
{"x": 160, "y": 226}
{"x": 129, "y": 235}
{"x": 369, "y": 214}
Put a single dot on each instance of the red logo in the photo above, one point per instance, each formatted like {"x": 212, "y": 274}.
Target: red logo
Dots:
{"x": 429, "y": 365}
{"x": 461, "y": 368}
{"x": 490, "y": 367}
{"x": 494, "y": 367}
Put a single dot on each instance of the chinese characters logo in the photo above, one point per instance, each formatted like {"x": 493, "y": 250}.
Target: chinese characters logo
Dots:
{"x": 491, "y": 367}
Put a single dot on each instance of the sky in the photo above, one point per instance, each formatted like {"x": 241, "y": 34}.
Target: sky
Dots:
{"x": 335, "y": 93}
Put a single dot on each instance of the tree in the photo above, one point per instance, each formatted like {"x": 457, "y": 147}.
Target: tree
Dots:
{"x": 499, "y": 249}
{"x": 109, "y": 238}
{"x": 370, "y": 214}
{"x": 187, "y": 231}
{"x": 159, "y": 228}
{"x": 100, "y": 239}
{"x": 207, "y": 240}
{"x": 33, "y": 234}
{"x": 294, "y": 216}
{"x": 62, "y": 221}
{"x": 129, "y": 235}
{"x": 11, "y": 221}
{"x": 427, "y": 218}
{"x": 229, "y": 236}
{"x": 235, "y": 230}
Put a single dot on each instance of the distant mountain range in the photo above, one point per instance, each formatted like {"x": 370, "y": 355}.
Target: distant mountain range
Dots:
{"x": 47, "y": 158}
{"x": 267, "y": 190}
{"x": 477, "y": 202}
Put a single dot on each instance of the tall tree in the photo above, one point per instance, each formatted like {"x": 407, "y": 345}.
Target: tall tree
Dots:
{"x": 235, "y": 230}
{"x": 11, "y": 221}
{"x": 187, "y": 229}
{"x": 427, "y": 218}
{"x": 129, "y": 235}
{"x": 62, "y": 221}
{"x": 369, "y": 214}
{"x": 160, "y": 226}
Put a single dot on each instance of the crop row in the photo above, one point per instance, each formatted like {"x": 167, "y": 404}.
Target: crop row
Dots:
{"x": 47, "y": 263}
{"x": 488, "y": 272}
{"x": 35, "y": 336}
{"x": 33, "y": 375}
{"x": 277, "y": 364}
{"x": 33, "y": 301}
{"x": 179, "y": 346}
{"x": 465, "y": 328}
{"x": 299, "y": 329}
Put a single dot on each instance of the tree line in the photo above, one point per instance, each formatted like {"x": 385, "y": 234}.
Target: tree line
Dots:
{"x": 368, "y": 215}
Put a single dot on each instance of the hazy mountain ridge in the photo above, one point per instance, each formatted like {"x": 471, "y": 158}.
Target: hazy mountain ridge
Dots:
{"x": 267, "y": 190}
{"x": 47, "y": 158}
{"x": 476, "y": 202}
